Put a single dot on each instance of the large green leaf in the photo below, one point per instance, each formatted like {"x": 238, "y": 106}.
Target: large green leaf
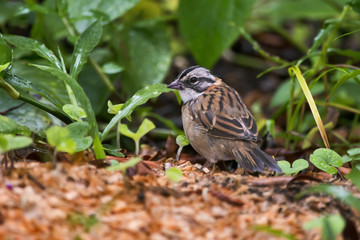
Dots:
{"x": 139, "y": 98}
{"x": 22, "y": 85}
{"x": 7, "y": 125}
{"x": 35, "y": 46}
{"x": 84, "y": 102}
{"x": 210, "y": 27}
{"x": 149, "y": 56}
{"x": 83, "y": 46}
{"x": 84, "y": 12}
{"x": 27, "y": 115}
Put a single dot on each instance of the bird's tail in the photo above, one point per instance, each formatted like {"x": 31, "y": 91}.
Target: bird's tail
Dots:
{"x": 250, "y": 157}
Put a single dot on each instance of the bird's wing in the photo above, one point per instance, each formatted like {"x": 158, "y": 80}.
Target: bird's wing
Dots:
{"x": 221, "y": 112}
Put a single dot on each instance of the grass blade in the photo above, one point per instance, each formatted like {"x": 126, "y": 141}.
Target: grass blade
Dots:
{"x": 295, "y": 70}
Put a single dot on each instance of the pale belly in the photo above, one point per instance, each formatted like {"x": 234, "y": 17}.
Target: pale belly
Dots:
{"x": 211, "y": 148}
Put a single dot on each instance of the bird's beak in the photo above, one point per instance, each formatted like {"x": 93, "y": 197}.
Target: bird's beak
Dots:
{"x": 176, "y": 85}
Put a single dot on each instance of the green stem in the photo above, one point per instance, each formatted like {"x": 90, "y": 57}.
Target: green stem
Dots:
{"x": 118, "y": 135}
{"x": 259, "y": 50}
{"x": 137, "y": 147}
{"x": 178, "y": 153}
{"x": 71, "y": 95}
{"x": 102, "y": 75}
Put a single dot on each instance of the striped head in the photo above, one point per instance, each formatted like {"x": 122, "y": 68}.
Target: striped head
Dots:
{"x": 192, "y": 82}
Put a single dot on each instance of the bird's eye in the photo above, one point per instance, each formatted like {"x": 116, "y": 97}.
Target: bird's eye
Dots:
{"x": 193, "y": 80}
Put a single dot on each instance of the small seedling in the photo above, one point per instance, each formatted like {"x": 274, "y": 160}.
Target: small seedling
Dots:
{"x": 352, "y": 155}
{"x": 174, "y": 174}
{"x": 145, "y": 127}
{"x": 115, "y": 165}
{"x": 70, "y": 139}
{"x": 80, "y": 219}
{"x": 326, "y": 160}
{"x": 114, "y": 109}
{"x": 74, "y": 112}
{"x": 10, "y": 142}
{"x": 182, "y": 141}
{"x": 297, "y": 166}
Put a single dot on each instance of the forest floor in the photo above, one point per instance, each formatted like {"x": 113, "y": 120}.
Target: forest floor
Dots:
{"x": 84, "y": 201}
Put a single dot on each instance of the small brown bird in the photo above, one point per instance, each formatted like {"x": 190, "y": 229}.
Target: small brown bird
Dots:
{"x": 217, "y": 123}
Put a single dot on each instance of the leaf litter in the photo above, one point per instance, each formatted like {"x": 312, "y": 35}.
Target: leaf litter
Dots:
{"x": 84, "y": 201}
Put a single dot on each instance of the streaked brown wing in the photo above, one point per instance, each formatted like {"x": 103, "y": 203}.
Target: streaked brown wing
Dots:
{"x": 231, "y": 120}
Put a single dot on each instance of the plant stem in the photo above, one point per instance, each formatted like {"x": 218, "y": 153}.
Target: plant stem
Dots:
{"x": 137, "y": 147}
{"x": 101, "y": 74}
{"x": 178, "y": 153}
{"x": 118, "y": 135}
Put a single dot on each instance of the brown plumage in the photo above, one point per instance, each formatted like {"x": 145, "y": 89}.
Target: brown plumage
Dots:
{"x": 217, "y": 123}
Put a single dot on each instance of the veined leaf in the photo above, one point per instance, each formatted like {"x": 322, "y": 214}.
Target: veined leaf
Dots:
{"x": 84, "y": 45}
{"x": 208, "y": 27}
{"x": 84, "y": 102}
{"x": 35, "y": 46}
{"x": 139, "y": 98}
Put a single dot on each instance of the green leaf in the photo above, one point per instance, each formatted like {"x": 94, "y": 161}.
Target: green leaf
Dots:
{"x": 112, "y": 68}
{"x": 325, "y": 159}
{"x": 149, "y": 56}
{"x": 83, "y": 46}
{"x": 23, "y": 85}
{"x": 84, "y": 12}
{"x": 28, "y": 116}
{"x": 270, "y": 127}
{"x": 174, "y": 174}
{"x": 7, "y": 125}
{"x": 125, "y": 165}
{"x": 353, "y": 152}
{"x": 297, "y": 166}
{"x": 345, "y": 159}
{"x": 13, "y": 142}
{"x": 331, "y": 225}
{"x": 208, "y": 28}
{"x": 336, "y": 191}
{"x": 274, "y": 232}
{"x": 5, "y": 55}
{"x": 75, "y": 112}
{"x": 85, "y": 104}
{"x": 139, "y": 98}
{"x": 113, "y": 151}
{"x": 114, "y": 109}
{"x": 60, "y": 138}
{"x": 10, "y": 142}
{"x": 145, "y": 127}
{"x": 354, "y": 176}
{"x": 35, "y": 46}
{"x": 182, "y": 141}
{"x": 71, "y": 138}
{"x": 79, "y": 219}
{"x": 123, "y": 129}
